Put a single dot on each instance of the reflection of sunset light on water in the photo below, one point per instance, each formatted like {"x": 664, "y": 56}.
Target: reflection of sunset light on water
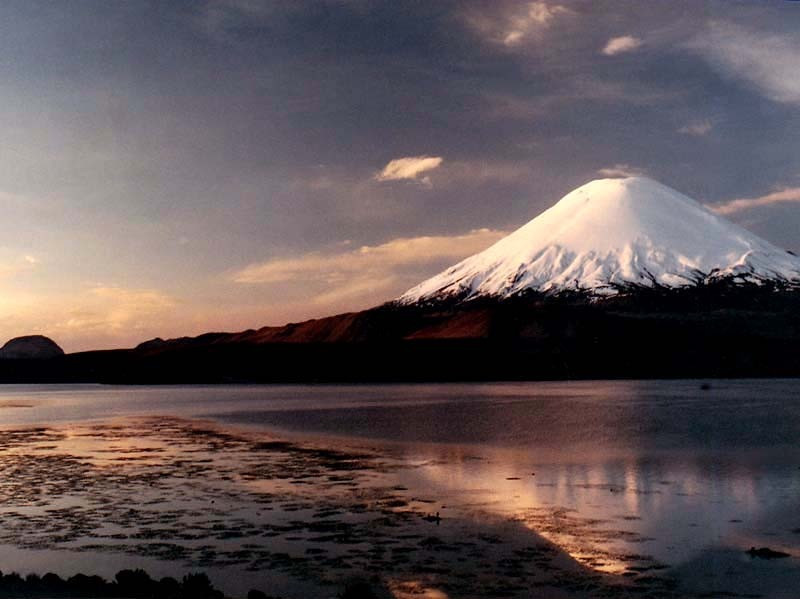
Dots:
{"x": 523, "y": 501}
{"x": 610, "y": 516}
{"x": 414, "y": 589}
{"x": 111, "y": 450}
{"x": 601, "y": 512}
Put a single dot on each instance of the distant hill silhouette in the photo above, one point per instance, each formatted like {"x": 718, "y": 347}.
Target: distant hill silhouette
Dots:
{"x": 31, "y": 347}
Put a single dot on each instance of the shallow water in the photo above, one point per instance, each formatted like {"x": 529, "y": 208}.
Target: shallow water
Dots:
{"x": 650, "y": 488}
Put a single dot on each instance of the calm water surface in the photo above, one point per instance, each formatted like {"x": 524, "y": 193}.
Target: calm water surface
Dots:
{"x": 610, "y": 471}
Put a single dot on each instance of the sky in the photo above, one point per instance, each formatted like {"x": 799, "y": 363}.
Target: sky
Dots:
{"x": 171, "y": 168}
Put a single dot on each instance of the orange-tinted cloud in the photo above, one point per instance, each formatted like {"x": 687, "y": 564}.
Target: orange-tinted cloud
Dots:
{"x": 383, "y": 258}
{"x": 513, "y": 25}
{"x": 619, "y": 45}
{"x": 368, "y": 275}
{"x": 98, "y": 316}
{"x": 789, "y": 194}
{"x": 409, "y": 167}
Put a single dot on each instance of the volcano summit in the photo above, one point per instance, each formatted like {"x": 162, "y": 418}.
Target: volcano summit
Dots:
{"x": 612, "y": 235}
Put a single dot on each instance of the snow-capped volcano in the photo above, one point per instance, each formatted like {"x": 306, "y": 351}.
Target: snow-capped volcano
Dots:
{"x": 608, "y": 235}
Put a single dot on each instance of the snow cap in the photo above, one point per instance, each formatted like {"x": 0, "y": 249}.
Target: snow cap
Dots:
{"x": 611, "y": 234}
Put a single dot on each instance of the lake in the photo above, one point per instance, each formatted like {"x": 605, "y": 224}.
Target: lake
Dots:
{"x": 563, "y": 489}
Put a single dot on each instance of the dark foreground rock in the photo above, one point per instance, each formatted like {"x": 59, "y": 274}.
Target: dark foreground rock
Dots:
{"x": 127, "y": 583}
{"x": 134, "y": 584}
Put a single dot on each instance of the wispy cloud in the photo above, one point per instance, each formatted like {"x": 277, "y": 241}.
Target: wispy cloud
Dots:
{"x": 217, "y": 17}
{"x": 119, "y": 308}
{"x": 619, "y": 171}
{"x": 370, "y": 274}
{"x": 789, "y": 194}
{"x": 383, "y": 258}
{"x": 769, "y": 62}
{"x": 410, "y": 167}
{"x": 619, "y": 45}
{"x": 481, "y": 172}
{"x": 697, "y": 128}
{"x": 583, "y": 89}
{"x": 10, "y": 267}
{"x": 512, "y": 25}
{"x": 93, "y": 316}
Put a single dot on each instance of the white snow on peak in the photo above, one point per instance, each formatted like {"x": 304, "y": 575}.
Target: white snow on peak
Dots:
{"x": 611, "y": 234}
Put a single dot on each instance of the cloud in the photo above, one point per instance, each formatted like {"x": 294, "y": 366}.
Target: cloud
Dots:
{"x": 480, "y": 172}
{"x": 119, "y": 308}
{"x": 511, "y": 27}
{"x": 619, "y": 171}
{"x": 619, "y": 45}
{"x": 369, "y": 275}
{"x": 409, "y": 167}
{"x": 217, "y": 18}
{"x": 91, "y": 317}
{"x": 768, "y": 62}
{"x": 697, "y": 128}
{"x": 400, "y": 252}
{"x": 789, "y": 194}
{"x": 585, "y": 88}
{"x": 538, "y": 15}
{"x": 12, "y": 266}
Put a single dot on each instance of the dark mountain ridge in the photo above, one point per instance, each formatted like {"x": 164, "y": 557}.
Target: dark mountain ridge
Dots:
{"x": 723, "y": 329}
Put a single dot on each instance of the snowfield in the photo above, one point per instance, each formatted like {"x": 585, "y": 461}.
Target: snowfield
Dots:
{"x": 608, "y": 235}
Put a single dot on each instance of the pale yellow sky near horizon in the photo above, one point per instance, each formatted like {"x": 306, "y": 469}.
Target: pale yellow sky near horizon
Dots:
{"x": 307, "y": 286}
